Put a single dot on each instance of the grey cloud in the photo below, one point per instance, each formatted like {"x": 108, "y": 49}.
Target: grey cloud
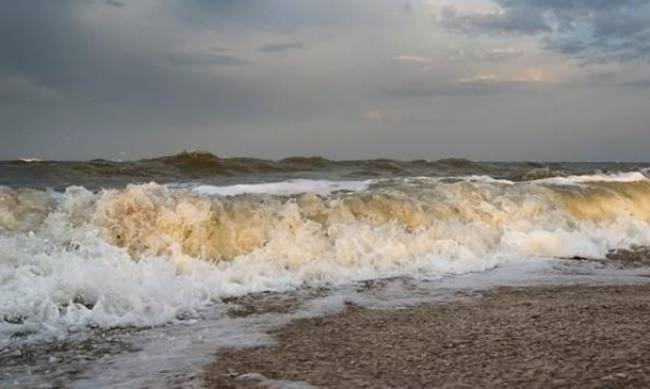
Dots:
{"x": 574, "y": 5}
{"x": 602, "y": 48}
{"x": 115, "y": 3}
{"x": 20, "y": 90}
{"x": 206, "y": 60}
{"x": 638, "y": 84}
{"x": 475, "y": 87}
{"x": 493, "y": 55}
{"x": 281, "y": 47}
{"x": 284, "y": 16}
{"x": 602, "y": 77}
{"x": 60, "y": 79}
{"x": 520, "y": 21}
{"x": 499, "y": 55}
{"x": 591, "y": 30}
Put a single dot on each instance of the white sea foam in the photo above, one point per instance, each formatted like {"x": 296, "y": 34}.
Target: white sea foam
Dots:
{"x": 148, "y": 254}
{"x": 615, "y": 177}
{"x": 486, "y": 179}
{"x": 471, "y": 178}
{"x": 290, "y": 187}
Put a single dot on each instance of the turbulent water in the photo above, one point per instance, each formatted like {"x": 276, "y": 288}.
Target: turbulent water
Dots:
{"x": 115, "y": 244}
{"x": 210, "y": 169}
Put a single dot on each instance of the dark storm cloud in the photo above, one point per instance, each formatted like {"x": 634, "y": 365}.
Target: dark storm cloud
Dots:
{"x": 51, "y": 44}
{"x": 16, "y": 90}
{"x": 61, "y": 79}
{"x": 48, "y": 44}
{"x": 281, "y": 47}
{"x": 591, "y": 30}
{"x": 38, "y": 39}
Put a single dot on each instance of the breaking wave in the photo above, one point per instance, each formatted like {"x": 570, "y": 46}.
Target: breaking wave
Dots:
{"x": 147, "y": 254}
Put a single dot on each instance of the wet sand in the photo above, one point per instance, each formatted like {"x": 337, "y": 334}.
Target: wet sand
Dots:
{"x": 561, "y": 337}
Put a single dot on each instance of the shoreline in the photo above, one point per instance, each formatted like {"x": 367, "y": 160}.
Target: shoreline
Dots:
{"x": 539, "y": 337}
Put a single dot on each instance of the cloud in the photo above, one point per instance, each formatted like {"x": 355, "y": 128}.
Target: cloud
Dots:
{"x": 277, "y": 16}
{"x": 487, "y": 55}
{"x": 374, "y": 115}
{"x": 527, "y": 76}
{"x": 641, "y": 85}
{"x": 414, "y": 59}
{"x": 281, "y": 47}
{"x": 480, "y": 79}
{"x": 520, "y": 21}
{"x": 465, "y": 87}
{"x": 378, "y": 115}
{"x": 479, "y": 84}
{"x": 206, "y": 60}
{"x": 115, "y": 3}
{"x": 21, "y": 90}
{"x": 496, "y": 55}
{"x": 590, "y": 30}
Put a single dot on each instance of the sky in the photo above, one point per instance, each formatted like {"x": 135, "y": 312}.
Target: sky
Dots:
{"x": 547, "y": 80}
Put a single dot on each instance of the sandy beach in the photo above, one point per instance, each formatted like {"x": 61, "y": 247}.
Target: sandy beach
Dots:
{"x": 559, "y": 337}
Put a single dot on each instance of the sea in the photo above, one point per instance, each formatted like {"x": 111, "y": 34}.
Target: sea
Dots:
{"x": 135, "y": 274}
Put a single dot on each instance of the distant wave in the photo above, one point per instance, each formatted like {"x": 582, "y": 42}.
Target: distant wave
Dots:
{"x": 192, "y": 159}
{"x": 205, "y": 162}
{"x": 192, "y": 165}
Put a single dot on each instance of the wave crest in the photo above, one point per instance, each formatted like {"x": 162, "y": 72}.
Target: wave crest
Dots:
{"x": 414, "y": 215}
{"x": 153, "y": 220}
